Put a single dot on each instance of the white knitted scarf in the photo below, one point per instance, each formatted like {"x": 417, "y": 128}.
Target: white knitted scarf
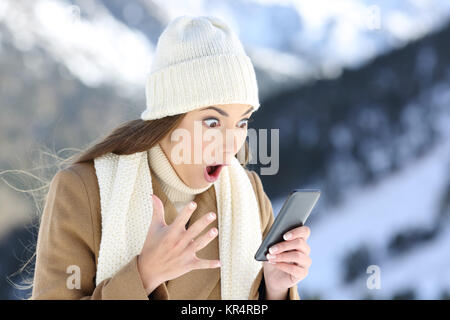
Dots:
{"x": 126, "y": 208}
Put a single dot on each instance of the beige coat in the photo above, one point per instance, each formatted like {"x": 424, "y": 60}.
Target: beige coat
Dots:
{"x": 70, "y": 234}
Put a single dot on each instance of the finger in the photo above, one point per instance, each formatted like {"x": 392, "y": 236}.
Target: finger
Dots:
{"x": 296, "y": 257}
{"x": 295, "y": 244}
{"x": 185, "y": 214}
{"x": 158, "y": 211}
{"x": 203, "y": 240}
{"x": 299, "y": 232}
{"x": 292, "y": 269}
{"x": 205, "y": 264}
{"x": 198, "y": 226}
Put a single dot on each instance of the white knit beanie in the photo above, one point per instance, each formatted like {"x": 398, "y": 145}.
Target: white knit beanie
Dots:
{"x": 199, "y": 61}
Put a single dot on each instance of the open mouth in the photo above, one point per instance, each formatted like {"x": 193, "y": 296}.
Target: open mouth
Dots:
{"x": 212, "y": 172}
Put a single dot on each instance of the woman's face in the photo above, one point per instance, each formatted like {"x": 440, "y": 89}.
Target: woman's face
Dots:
{"x": 200, "y": 140}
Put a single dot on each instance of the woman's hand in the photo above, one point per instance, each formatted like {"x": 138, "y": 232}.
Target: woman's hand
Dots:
{"x": 169, "y": 251}
{"x": 290, "y": 260}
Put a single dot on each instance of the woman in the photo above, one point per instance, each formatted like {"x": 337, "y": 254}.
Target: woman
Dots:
{"x": 118, "y": 223}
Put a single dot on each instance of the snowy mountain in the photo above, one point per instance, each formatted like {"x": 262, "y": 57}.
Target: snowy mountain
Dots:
{"x": 397, "y": 223}
{"x": 370, "y": 112}
{"x": 113, "y": 41}
{"x": 370, "y": 218}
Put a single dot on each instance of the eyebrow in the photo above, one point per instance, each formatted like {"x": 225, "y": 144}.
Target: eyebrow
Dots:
{"x": 222, "y": 112}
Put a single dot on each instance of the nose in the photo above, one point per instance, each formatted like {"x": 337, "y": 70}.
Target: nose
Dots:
{"x": 225, "y": 155}
{"x": 229, "y": 146}
{"x": 231, "y": 141}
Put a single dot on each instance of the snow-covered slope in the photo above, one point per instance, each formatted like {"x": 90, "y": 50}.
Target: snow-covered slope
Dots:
{"x": 372, "y": 216}
{"x": 95, "y": 47}
{"x": 289, "y": 40}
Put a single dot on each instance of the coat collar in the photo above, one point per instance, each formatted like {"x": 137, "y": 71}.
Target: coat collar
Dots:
{"x": 199, "y": 282}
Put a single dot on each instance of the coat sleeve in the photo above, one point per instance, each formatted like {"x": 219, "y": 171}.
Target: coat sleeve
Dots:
{"x": 65, "y": 258}
{"x": 267, "y": 221}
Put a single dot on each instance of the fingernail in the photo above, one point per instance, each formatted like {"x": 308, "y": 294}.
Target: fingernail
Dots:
{"x": 214, "y": 231}
{"x": 287, "y": 236}
{"x": 211, "y": 216}
{"x": 193, "y": 204}
{"x": 269, "y": 256}
{"x": 218, "y": 263}
{"x": 273, "y": 249}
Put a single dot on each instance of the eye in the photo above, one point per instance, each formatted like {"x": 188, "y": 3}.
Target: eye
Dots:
{"x": 211, "y": 122}
{"x": 245, "y": 122}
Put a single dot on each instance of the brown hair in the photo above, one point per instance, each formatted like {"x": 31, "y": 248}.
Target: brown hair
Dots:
{"x": 131, "y": 137}
{"x": 128, "y": 138}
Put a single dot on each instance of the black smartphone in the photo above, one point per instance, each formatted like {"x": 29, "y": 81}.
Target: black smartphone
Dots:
{"x": 294, "y": 212}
